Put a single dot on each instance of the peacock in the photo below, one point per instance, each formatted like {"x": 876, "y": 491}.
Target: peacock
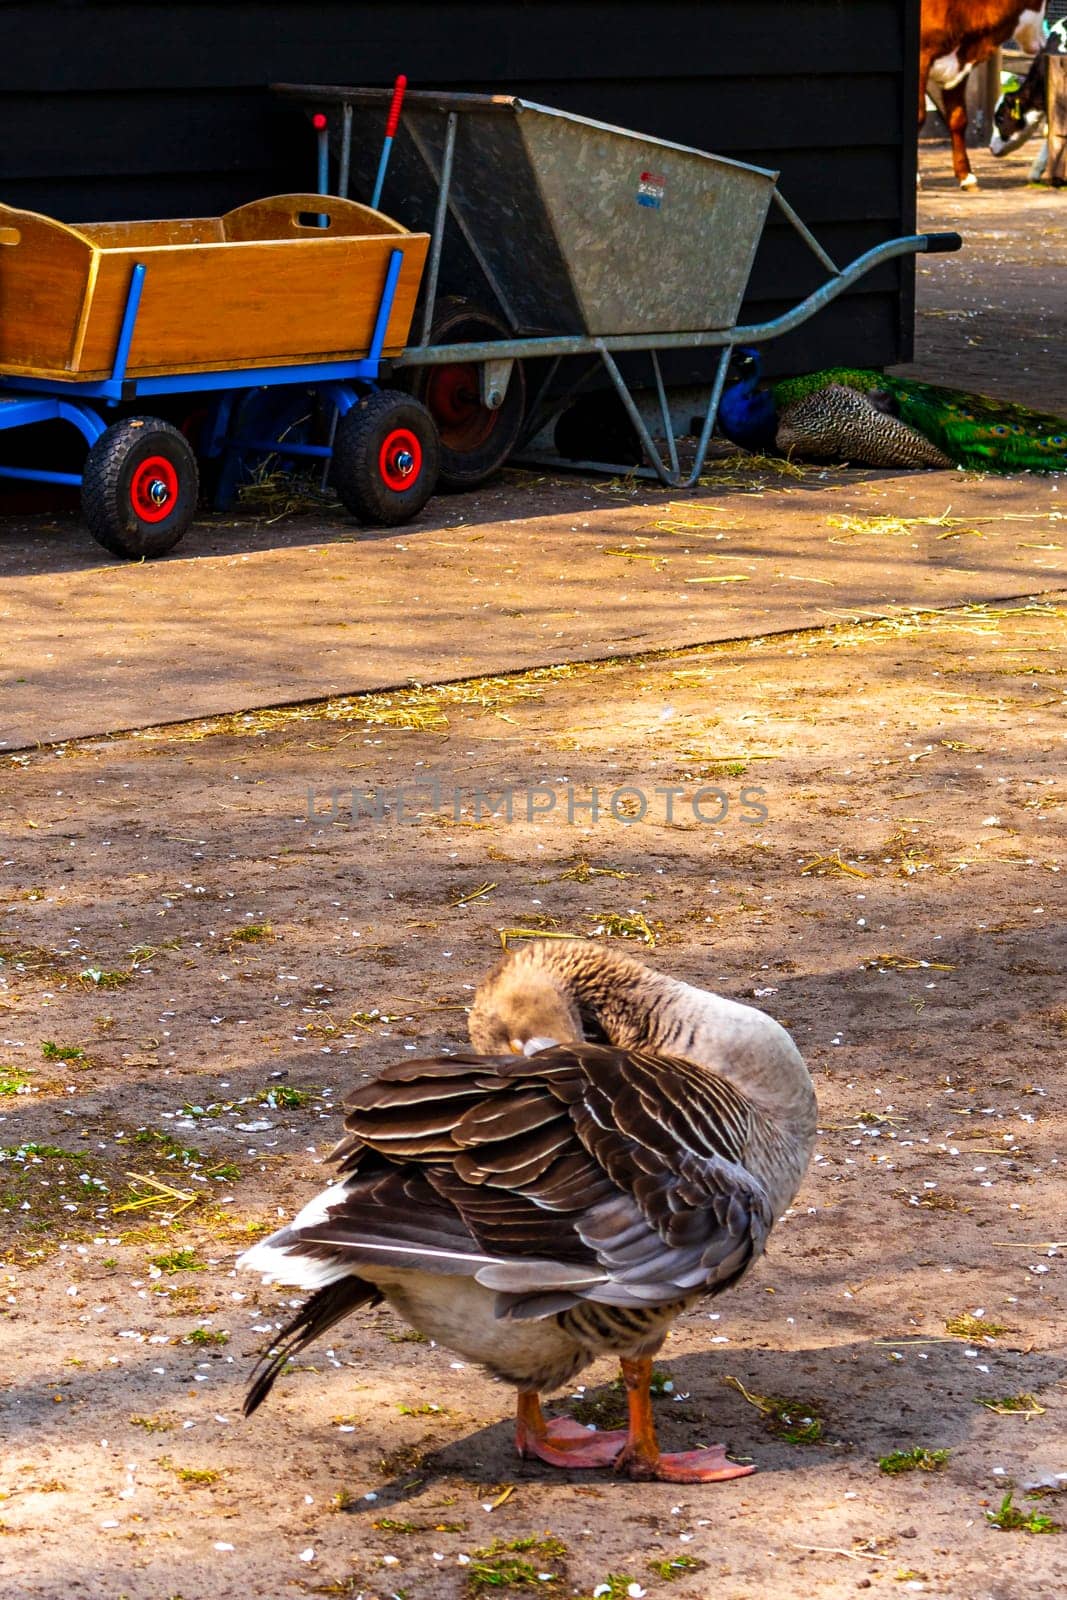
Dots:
{"x": 849, "y": 413}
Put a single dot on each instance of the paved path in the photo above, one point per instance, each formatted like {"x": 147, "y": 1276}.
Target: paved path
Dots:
{"x": 251, "y": 616}
{"x": 540, "y": 570}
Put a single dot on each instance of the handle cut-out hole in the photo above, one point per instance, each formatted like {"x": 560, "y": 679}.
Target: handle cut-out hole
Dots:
{"x": 313, "y": 219}
{"x": 10, "y": 236}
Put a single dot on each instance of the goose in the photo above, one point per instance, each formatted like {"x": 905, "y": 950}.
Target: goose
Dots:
{"x": 616, "y": 1146}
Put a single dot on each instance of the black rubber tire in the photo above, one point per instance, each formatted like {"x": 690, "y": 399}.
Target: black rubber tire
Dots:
{"x": 360, "y": 471}
{"x": 111, "y": 483}
{"x": 475, "y": 441}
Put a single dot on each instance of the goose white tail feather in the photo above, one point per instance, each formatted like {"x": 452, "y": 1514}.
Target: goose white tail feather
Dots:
{"x": 279, "y": 1264}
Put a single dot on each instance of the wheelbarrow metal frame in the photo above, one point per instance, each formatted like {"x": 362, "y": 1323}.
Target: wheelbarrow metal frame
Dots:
{"x": 603, "y": 348}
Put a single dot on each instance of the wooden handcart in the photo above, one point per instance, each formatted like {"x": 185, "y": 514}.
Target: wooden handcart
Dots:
{"x": 288, "y": 294}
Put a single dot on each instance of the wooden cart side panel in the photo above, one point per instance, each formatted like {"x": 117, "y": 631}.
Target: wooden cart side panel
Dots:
{"x": 278, "y": 217}
{"x": 168, "y": 230}
{"x": 290, "y": 300}
{"x": 46, "y": 272}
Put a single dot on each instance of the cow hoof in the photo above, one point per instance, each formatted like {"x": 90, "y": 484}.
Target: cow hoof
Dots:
{"x": 969, "y": 182}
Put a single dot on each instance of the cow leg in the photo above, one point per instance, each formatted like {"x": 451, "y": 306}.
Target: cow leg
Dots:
{"x": 955, "y": 103}
{"x": 925, "y": 63}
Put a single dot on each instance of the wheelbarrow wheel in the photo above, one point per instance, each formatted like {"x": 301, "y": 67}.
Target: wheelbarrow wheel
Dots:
{"x": 385, "y": 458}
{"x": 139, "y": 488}
{"x": 476, "y": 440}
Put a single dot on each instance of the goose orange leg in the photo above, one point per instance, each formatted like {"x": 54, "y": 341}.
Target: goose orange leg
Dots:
{"x": 642, "y": 1458}
{"x": 561, "y": 1442}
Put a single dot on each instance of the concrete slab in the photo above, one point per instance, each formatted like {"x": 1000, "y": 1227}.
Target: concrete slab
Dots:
{"x": 535, "y": 571}
{"x": 540, "y": 569}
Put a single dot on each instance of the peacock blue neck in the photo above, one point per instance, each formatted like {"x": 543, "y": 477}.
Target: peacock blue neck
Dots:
{"x": 747, "y": 414}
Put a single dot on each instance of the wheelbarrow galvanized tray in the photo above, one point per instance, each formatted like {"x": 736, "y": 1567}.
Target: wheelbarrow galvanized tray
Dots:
{"x": 593, "y": 240}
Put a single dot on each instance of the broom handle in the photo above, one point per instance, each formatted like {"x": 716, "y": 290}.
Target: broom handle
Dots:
{"x": 390, "y": 133}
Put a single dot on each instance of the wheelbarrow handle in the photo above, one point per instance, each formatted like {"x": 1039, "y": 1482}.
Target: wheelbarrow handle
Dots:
{"x": 937, "y": 243}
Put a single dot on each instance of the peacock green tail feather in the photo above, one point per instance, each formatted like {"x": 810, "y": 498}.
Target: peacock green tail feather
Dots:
{"x": 975, "y": 431}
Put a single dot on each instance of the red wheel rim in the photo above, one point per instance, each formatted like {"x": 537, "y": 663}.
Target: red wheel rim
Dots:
{"x": 400, "y": 460}
{"x": 154, "y": 488}
{"x": 454, "y": 399}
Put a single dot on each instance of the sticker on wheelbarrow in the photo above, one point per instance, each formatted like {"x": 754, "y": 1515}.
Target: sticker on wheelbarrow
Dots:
{"x": 651, "y": 189}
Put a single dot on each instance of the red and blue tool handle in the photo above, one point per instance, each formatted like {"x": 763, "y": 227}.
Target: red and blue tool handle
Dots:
{"x": 392, "y": 121}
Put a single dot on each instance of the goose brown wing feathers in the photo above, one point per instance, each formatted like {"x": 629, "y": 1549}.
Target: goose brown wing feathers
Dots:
{"x": 616, "y": 1171}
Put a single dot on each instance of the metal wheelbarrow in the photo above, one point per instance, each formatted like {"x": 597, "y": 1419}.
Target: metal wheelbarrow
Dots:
{"x": 554, "y": 236}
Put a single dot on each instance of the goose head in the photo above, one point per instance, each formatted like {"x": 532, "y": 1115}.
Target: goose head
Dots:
{"x": 522, "y": 1008}
{"x": 568, "y": 991}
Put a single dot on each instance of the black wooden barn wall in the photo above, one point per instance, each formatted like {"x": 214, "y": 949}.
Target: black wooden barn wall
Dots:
{"x": 112, "y": 110}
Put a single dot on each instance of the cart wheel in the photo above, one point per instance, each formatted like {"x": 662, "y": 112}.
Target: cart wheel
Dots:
{"x": 475, "y": 440}
{"x": 139, "y": 487}
{"x": 385, "y": 458}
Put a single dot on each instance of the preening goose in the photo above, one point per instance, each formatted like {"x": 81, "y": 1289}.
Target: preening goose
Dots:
{"x": 618, "y": 1147}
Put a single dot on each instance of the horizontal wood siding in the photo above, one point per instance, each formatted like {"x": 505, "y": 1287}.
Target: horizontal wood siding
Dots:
{"x": 148, "y": 109}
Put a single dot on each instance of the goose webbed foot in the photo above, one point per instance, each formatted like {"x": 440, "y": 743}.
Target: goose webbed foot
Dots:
{"x": 562, "y": 1442}
{"x": 684, "y": 1466}
{"x": 642, "y": 1458}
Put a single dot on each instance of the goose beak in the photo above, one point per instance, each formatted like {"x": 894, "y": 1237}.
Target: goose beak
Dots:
{"x": 532, "y": 1046}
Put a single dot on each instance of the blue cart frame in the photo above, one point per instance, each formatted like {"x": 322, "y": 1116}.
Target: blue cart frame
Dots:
{"x": 25, "y": 401}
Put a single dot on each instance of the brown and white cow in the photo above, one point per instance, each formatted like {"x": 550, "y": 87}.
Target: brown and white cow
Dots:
{"x": 957, "y": 35}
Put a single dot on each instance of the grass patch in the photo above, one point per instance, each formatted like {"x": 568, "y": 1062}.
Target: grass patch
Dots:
{"x": 967, "y": 1326}
{"x": 517, "y": 1564}
{"x": 832, "y": 866}
{"x": 145, "y": 952}
{"x": 206, "y": 1336}
{"x": 156, "y": 1424}
{"x": 616, "y": 1586}
{"x": 933, "y": 1200}
{"x": 12, "y": 1081}
{"x": 251, "y": 933}
{"x": 1011, "y": 1518}
{"x": 795, "y": 1421}
{"x": 167, "y": 1146}
{"x": 61, "y": 1052}
{"x": 917, "y": 1459}
{"x": 628, "y": 925}
{"x": 675, "y": 1567}
{"x": 401, "y": 1524}
{"x": 201, "y": 1476}
{"x": 101, "y": 978}
{"x": 282, "y": 1097}
{"x": 1013, "y": 1405}
{"x": 179, "y": 1261}
{"x": 52, "y": 1195}
{"x": 583, "y": 872}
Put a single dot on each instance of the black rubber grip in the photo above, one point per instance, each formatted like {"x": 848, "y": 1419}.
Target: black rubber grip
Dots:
{"x": 936, "y": 243}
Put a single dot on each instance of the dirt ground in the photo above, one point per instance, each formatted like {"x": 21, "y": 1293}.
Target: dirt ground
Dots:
{"x": 990, "y": 318}
{"x": 882, "y": 872}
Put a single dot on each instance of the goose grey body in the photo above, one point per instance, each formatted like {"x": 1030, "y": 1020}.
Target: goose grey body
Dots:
{"x": 532, "y": 1212}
